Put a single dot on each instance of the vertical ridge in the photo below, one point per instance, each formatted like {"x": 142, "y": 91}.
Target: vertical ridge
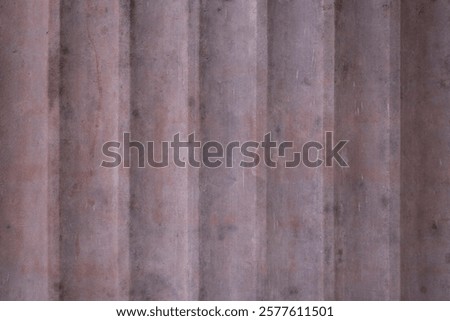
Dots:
{"x": 296, "y": 109}
{"x": 366, "y": 193}
{"x": 425, "y": 150}
{"x": 160, "y": 201}
{"x": 24, "y": 160}
{"x": 89, "y": 116}
{"x": 228, "y": 111}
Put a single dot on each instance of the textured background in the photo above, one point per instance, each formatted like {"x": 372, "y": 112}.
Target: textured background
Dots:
{"x": 74, "y": 74}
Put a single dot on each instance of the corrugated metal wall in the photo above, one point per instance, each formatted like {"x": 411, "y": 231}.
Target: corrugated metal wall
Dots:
{"x": 75, "y": 74}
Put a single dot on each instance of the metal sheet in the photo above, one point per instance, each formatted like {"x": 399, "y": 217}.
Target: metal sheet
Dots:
{"x": 76, "y": 74}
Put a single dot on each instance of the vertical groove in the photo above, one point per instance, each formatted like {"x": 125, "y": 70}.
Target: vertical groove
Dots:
{"x": 124, "y": 173}
{"x": 261, "y": 130}
{"x": 53, "y": 160}
{"x": 394, "y": 119}
{"x": 194, "y": 127}
{"x": 328, "y": 125}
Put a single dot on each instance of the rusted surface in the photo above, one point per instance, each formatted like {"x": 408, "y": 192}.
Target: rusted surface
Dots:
{"x": 75, "y": 74}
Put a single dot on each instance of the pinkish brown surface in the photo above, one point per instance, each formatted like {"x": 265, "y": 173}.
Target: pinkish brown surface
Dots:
{"x": 75, "y": 74}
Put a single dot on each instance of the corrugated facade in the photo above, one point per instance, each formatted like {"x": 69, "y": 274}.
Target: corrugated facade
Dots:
{"x": 75, "y": 74}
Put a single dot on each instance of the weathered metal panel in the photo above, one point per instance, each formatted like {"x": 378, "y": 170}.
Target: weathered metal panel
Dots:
{"x": 76, "y": 74}
{"x": 425, "y": 155}
{"x": 367, "y": 108}
{"x": 297, "y": 104}
{"x": 24, "y": 122}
